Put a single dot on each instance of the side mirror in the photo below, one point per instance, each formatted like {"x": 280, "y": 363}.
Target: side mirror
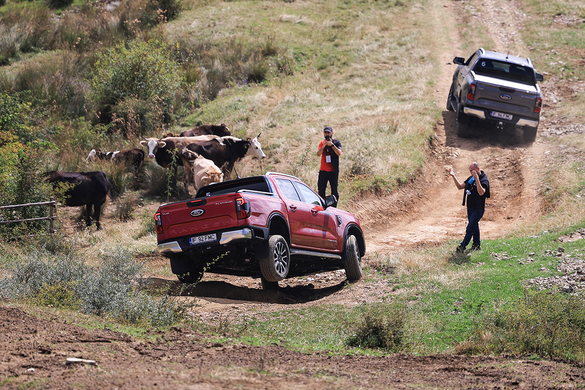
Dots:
{"x": 331, "y": 201}
{"x": 539, "y": 77}
{"x": 459, "y": 60}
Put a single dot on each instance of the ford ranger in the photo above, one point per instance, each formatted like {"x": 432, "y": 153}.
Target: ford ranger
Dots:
{"x": 271, "y": 226}
{"x": 495, "y": 87}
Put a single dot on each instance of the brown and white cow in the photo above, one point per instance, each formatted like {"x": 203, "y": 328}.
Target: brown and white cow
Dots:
{"x": 204, "y": 171}
{"x": 219, "y": 130}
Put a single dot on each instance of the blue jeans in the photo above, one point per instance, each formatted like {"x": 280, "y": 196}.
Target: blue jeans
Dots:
{"x": 472, "y": 231}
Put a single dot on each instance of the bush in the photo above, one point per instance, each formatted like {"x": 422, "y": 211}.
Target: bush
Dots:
{"x": 55, "y": 4}
{"x": 141, "y": 71}
{"x": 381, "y": 327}
{"x": 109, "y": 290}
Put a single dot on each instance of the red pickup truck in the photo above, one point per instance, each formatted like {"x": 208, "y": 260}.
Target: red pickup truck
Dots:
{"x": 271, "y": 226}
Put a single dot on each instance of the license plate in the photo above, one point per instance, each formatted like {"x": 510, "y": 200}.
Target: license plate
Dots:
{"x": 501, "y": 115}
{"x": 202, "y": 239}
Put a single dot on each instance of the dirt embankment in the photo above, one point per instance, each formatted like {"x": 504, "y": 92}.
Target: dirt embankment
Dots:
{"x": 427, "y": 212}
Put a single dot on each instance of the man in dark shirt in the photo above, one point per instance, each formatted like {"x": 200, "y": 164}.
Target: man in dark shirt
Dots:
{"x": 329, "y": 151}
{"x": 477, "y": 189}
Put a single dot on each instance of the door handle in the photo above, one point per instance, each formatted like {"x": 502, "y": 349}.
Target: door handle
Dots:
{"x": 293, "y": 207}
{"x": 314, "y": 211}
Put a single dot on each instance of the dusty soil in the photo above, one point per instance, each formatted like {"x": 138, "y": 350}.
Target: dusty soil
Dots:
{"x": 34, "y": 351}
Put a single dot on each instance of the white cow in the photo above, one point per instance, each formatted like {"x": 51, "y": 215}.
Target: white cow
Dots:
{"x": 204, "y": 171}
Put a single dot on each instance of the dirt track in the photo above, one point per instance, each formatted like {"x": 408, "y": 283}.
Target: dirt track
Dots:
{"x": 33, "y": 349}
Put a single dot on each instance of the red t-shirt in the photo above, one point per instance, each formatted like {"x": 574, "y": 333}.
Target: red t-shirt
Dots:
{"x": 329, "y": 159}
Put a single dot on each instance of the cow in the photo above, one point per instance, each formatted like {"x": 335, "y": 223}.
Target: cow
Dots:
{"x": 226, "y": 151}
{"x": 133, "y": 158}
{"x": 205, "y": 171}
{"x": 220, "y": 131}
{"x": 85, "y": 189}
{"x": 163, "y": 151}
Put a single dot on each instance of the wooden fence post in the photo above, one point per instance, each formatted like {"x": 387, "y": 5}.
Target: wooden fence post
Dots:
{"x": 51, "y": 215}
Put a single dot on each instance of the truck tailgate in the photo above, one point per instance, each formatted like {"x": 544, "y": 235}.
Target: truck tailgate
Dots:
{"x": 197, "y": 216}
{"x": 505, "y": 96}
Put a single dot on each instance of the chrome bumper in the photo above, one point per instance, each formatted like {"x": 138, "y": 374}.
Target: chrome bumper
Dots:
{"x": 522, "y": 122}
{"x": 226, "y": 238}
{"x": 527, "y": 122}
{"x": 472, "y": 111}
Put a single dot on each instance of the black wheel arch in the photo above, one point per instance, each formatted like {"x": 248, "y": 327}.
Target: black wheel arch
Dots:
{"x": 353, "y": 229}
{"x": 276, "y": 225}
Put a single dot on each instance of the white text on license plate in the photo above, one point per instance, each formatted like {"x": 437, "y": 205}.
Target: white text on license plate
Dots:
{"x": 202, "y": 239}
{"x": 496, "y": 114}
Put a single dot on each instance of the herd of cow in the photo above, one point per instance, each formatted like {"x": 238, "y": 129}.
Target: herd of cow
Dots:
{"x": 207, "y": 153}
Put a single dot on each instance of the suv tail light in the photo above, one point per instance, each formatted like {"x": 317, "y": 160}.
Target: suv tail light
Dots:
{"x": 158, "y": 223}
{"x": 471, "y": 92}
{"x": 242, "y": 208}
{"x": 538, "y": 105}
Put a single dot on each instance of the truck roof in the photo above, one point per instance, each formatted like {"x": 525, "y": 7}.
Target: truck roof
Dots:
{"x": 494, "y": 55}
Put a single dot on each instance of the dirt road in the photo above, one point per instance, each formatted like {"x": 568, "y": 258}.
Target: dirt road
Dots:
{"x": 33, "y": 351}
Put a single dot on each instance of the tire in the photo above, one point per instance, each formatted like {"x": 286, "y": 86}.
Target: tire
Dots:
{"x": 461, "y": 123}
{"x": 530, "y": 134}
{"x": 186, "y": 270}
{"x": 266, "y": 285}
{"x": 275, "y": 266}
{"x": 352, "y": 258}
{"x": 449, "y": 98}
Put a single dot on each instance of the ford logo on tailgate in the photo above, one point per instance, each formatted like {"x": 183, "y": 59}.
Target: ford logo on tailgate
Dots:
{"x": 197, "y": 212}
{"x": 505, "y": 97}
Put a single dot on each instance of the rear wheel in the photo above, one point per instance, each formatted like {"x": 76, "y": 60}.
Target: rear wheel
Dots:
{"x": 187, "y": 270}
{"x": 353, "y": 260}
{"x": 275, "y": 266}
{"x": 461, "y": 123}
{"x": 530, "y": 134}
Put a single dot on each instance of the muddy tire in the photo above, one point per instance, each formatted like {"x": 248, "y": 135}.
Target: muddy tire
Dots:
{"x": 352, "y": 258}
{"x": 266, "y": 285}
{"x": 275, "y": 266}
{"x": 186, "y": 270}
{"x": 529, "y": 134}
{"x": 461, "y": 123}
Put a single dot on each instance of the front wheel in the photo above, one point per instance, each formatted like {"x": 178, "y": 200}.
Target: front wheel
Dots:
{"x": 275, "y": 266}
{"x": 353, "y": 260}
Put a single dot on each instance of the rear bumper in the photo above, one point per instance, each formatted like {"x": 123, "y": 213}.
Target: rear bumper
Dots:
{"x": 225, "y": 238}
{"x": 481, "y": 114}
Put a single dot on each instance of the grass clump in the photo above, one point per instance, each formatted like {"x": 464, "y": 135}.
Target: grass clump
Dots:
{"x": 111, "y": 290}
{"x": 381, "y": 327}
{"x": 544, "y": 323}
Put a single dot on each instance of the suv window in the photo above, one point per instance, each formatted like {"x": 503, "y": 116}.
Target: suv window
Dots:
{"x": 308, "y": 195}
{"x": 505, "y": 70}
{"x": 471, "y": 59}
{"x": 287, "y": 189}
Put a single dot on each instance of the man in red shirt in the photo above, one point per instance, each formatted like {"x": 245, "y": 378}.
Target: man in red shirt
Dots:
{"x": 329, "y": 150}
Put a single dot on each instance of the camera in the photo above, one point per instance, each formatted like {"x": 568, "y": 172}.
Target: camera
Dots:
{"x": 328, "y": 138}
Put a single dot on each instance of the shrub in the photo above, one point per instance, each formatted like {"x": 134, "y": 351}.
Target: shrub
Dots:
{"x": 55, "y": 4}
{"x": 109, "y": 290}
{"x": 141, "y": 71}
{"x": 381, "y": 327}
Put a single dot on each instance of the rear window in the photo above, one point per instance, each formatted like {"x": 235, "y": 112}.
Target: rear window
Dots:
{"x": 257, "y": 183}
{"x": 505, "y": 70}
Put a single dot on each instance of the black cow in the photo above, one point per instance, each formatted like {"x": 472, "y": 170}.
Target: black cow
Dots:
{"x": 226, "y": 151}
{"x": 219, "y": 130}
{"x": 88, "y": 189}
{"x": 133, "y": 158}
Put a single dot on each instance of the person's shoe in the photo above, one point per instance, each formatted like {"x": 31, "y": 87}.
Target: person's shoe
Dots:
{"x": 460, "y": 249}
{"x": 475, "y": 247}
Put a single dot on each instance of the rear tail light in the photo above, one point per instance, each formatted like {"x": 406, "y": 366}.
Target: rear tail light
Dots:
{"x": 538, "y": 105}
{"x": 471, "y": 92}
{"x": 242, "y": 208}
{"x": 158, "y": 223}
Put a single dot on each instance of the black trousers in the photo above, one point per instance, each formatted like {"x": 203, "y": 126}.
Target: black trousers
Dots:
{"x": 332, "y": 178}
